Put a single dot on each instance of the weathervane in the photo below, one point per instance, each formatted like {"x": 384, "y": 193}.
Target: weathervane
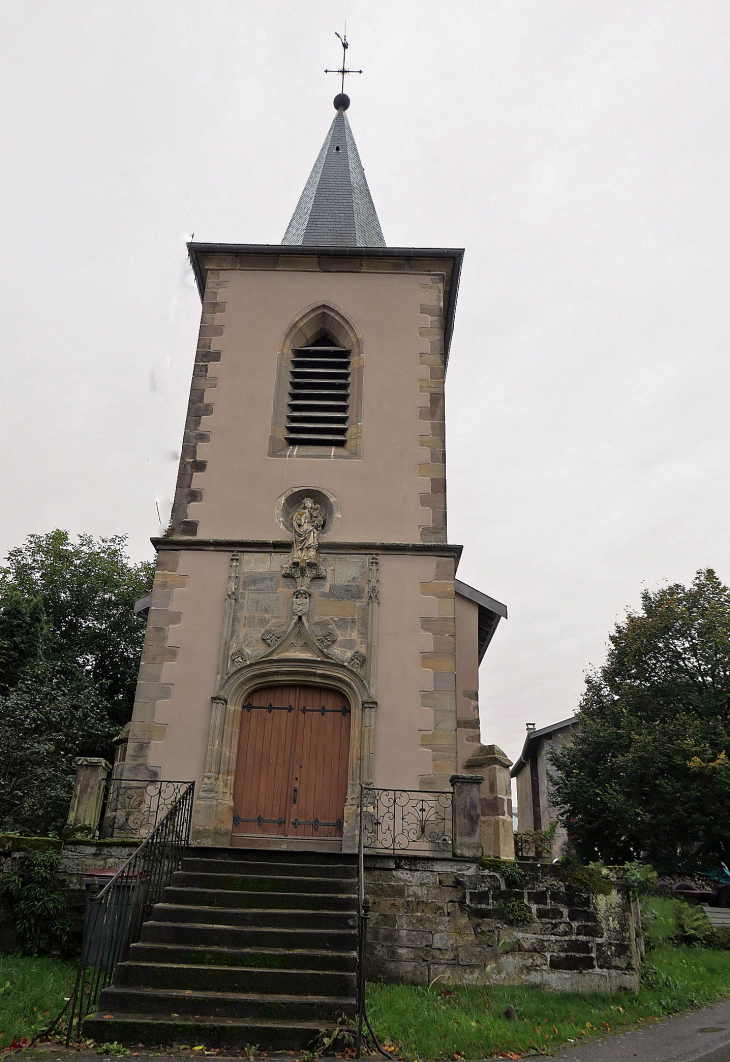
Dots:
{"x": 343, "y": 69}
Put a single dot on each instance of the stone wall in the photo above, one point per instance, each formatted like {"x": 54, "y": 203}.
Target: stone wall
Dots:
{"x": 77, "y": 857}
{"x": 448, "y": 918}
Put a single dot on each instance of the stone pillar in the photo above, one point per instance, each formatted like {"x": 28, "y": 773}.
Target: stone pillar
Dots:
{"x": 498, "y": 835}
{"x": 206, "y": 806}
{"x": 466, "y": 815}
{"x": 84, "y": 811}
{"x": 368, "y": 740}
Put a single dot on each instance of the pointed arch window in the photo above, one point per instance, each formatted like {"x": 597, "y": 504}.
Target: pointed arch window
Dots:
{"x": 318, "y": 394}
{"x": 318, "y": 407}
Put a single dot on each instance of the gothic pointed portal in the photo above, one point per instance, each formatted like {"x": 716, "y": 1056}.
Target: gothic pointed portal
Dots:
{"x": 336, "y": 209}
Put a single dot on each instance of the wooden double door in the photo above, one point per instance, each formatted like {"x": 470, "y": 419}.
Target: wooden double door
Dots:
{"x": 292, "y": 766}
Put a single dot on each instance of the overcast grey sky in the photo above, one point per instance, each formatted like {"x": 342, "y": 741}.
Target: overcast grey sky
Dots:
{"x": 577, "y": 149}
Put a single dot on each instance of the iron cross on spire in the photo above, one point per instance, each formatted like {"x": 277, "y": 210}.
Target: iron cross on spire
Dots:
{"x": 343, "y": 69}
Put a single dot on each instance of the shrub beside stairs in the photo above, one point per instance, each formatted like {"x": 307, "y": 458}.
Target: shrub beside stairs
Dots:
{"x": 249, "y": 946}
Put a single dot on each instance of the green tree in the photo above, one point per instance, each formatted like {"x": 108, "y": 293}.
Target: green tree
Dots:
{"x": 69, "y": 655}
{"x": 53, "y": 715}
{"x": 87, "y": 589}
{"x": 22, "y": 627}
{"x": 648, "y": 775}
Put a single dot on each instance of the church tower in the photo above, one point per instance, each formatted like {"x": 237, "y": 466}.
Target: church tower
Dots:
{"x": 307, "y": 631}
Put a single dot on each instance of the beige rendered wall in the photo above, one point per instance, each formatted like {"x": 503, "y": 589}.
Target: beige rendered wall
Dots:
{"x": 415, "y": 722}
{"x": 467, "y": 677}
{"x": 381, "y": 494}
{"x": 169, "y": 730}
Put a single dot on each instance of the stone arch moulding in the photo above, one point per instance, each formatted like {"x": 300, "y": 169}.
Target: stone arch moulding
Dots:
{"x": 213, "y": 818}
{"x": 307, "y": 326}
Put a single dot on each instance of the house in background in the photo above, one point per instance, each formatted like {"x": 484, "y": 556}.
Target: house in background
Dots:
{"x": 532, "y": 773}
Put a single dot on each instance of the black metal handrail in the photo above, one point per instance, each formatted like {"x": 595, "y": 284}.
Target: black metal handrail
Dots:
{"x": 114, "y": 916}
{"x": 418, "y": 822}
{"x": 134, "y": 806}
{"x": 363, "y": 913}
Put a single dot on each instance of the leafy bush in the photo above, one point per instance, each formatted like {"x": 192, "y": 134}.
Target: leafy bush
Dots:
{"x": 693, "y": 925}
{"x": 535, "y": 844}
{"x": 588, "y": 878}
{"x": 514, "y": 876}
{"x": 640, "y": 878}
{"x": 39, "y": 907}
{"x": 719, "y": 938}
{"x": 670, "y": 920}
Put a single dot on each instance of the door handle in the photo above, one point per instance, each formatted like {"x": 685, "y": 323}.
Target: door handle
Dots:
{"x": 294, "y": 794}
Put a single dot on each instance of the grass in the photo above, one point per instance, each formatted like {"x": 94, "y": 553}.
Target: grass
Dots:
{"x": 660, "y": 920}
{"x": 32, "y": 991}
{"x": 442, "y": 1022}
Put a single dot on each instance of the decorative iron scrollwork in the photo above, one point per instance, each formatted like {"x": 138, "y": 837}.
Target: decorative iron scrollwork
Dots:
{"x": 133, "y": 807}
{"x": 399, "y": 820}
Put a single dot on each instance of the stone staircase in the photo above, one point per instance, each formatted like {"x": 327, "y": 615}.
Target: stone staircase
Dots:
{"x": 249, "y": 946}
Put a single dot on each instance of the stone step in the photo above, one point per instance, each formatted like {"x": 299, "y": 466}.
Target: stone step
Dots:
{"x": 280, "y": 856}
{"x": 270, "y": 900}
{"x": 248, "y": 947}
{"x": 269, "y": 868}
{"x": 222, "y": 876}
{"x": 236, "y": 916}
{"x": 132, "y": 1028}
{"x": 262, "y": 958}
{"x": 197, "y": 934}
{"x": 205, "y": 1005}
{"x": 197, "y": 978}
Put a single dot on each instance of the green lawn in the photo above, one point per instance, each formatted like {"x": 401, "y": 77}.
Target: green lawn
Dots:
{"x": 438, "y": 1022}
{"x": 32, "y": 991}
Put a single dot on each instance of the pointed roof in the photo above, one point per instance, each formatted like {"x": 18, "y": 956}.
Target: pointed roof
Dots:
{"x": 336, "y": 209}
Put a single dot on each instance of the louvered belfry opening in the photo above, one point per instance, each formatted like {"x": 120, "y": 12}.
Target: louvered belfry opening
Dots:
{"x": 319, "y": 394}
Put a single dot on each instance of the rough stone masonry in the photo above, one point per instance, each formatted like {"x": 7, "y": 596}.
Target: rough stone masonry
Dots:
{"x": 448, "y": 918}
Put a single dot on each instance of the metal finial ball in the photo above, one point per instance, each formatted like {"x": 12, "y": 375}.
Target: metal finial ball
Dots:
{"x": 341, "y": 101}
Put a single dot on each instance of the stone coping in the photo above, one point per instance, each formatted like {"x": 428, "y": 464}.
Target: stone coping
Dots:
{"x": 282, "y": 545}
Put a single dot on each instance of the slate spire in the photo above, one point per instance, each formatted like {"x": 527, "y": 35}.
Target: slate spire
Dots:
{"x": 335, "y": 209}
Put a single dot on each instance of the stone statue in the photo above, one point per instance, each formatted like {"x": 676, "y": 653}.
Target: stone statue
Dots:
{"x": 307, "y": 524}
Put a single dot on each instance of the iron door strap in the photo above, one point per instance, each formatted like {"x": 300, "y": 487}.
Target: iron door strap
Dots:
{"x": 296, "y": 823}
{"x": 324, "y": 711}
{"x": 259, "y": 820}
{"x": 289, "y": 708}
{"x": 267, "y": 707}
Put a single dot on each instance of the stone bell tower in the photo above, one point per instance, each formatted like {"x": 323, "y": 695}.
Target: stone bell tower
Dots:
{"x": 307, "y": 631}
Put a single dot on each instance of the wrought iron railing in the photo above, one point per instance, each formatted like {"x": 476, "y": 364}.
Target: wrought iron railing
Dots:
{"x": 133, "y": 807}
{"x": 401, "y": 820}
{"x": 363, "y": 914}
{"x": 114, "y": 916}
